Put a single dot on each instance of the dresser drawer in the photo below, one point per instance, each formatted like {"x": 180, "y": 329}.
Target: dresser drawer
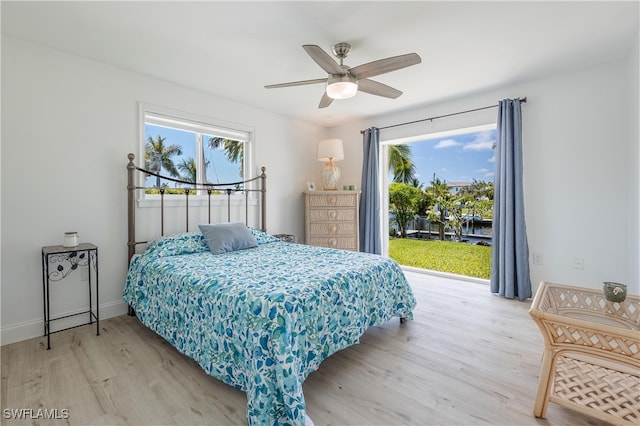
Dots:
{"x": 331, "y": 219}
{"x": 342, "y": 243}
{"x": 332, "y": 215}
{"x": 333, "y": 200}
{"x": 332, "y": 229}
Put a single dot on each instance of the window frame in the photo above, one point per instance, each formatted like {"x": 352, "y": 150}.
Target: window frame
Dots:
{"x": 191, "y": 122}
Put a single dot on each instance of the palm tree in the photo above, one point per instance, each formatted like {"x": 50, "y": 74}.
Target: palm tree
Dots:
{"x": 479, "y": 200}
{"x": 439, "y": 194}
{"x": 158, "y": 156}
{"x": 188, "y": 168}
{"x": 404, "y": 171}
{"x": 234, "y": 150}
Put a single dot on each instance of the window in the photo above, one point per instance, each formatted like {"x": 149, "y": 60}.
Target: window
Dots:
{"x": 439, "y": 190}
{"x": 192, "y": 149}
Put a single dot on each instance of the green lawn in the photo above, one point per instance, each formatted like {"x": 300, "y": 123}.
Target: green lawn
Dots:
{"x": 444, "y": 256}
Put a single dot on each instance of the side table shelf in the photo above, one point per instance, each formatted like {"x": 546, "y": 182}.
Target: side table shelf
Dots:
{"x": 67, "y": 260}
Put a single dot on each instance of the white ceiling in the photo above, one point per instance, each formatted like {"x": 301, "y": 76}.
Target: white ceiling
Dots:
{"x": 234, "y": 49}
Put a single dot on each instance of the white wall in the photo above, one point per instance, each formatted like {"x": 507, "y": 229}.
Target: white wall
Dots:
{"x": 67, "y": 127}
{"x": 581, "y": 184}
{"x": 633, "y": 158}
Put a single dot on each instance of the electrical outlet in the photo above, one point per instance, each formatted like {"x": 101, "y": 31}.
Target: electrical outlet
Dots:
{"x": 538, "y": 258}
{"x": 578, "y": 263}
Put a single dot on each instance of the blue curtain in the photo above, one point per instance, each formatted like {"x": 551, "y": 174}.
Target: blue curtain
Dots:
{"x": 510, "y": 251}
{"x": 370, "y": 240}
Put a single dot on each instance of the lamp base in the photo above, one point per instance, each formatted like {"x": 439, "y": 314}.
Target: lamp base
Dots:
{"x": 330, "y": 176}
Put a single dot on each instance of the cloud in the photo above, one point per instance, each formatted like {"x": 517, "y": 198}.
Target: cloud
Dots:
{"x": 447, "y": 143}
{"x": 478, "y": 146}
{"x": 485, "y": 173}
{"x": 483, "y": 141}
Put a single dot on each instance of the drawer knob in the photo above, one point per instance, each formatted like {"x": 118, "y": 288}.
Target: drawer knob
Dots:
{"x": 333, "y": 214}
{"x": 333, "y": 242}
{"x": 333, "y": 228}
{"x": 333, "y": 200}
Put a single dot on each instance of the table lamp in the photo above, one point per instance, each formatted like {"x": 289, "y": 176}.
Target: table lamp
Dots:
{"x": 330, "y": 150}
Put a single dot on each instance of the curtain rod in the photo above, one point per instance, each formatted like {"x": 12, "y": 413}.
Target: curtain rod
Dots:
{"x": 522, "y": 100}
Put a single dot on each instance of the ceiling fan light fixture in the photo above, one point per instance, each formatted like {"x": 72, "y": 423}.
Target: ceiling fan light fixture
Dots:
{"x": 343, "y": 82}
{"x": 343, "y": 86}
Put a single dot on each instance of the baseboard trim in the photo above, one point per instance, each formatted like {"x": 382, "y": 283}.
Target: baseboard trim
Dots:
{"x": 35, "y": 328}
{"x": 445, "y": 275}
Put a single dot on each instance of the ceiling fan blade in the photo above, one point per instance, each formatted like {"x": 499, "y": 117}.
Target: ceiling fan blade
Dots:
{"x": 376, "y": 88}
{"x": 296, "y": 83}
{"x": 382, "y": 66}
{"x": 325, "y": 101}
{"x": 323, "y": 59}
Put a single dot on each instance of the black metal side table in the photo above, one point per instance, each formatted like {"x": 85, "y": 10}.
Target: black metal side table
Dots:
{"x": 57, "y": 263}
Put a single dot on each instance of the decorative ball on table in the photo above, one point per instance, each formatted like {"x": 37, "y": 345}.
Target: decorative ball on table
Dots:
{"x": 614, "y": 292}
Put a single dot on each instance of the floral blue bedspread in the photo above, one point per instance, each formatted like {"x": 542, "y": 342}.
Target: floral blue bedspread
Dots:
{"x": 264, "y": 318}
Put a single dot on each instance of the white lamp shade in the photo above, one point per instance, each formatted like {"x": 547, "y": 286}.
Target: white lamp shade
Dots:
{"x": 330, "y": 149}
{"x": 341, "y": 86}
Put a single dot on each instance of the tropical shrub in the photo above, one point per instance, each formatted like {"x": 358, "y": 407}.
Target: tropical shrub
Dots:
{"x": 403, "y": 199}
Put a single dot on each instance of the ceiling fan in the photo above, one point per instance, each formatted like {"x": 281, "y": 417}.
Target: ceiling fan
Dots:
{"x": 344, "y": 82}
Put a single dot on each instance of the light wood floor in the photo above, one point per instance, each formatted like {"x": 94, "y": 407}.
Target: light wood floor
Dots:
{"x": 468, "y": 358}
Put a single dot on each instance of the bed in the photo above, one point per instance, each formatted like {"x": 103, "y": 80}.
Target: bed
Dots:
{"x": 260, "y": 318}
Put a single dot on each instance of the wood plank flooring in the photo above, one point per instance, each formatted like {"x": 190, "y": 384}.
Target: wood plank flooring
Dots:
{"x": 467, "y": 358}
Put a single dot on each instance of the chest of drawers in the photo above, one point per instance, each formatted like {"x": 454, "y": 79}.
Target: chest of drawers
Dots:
{"x": 331, "y": 219}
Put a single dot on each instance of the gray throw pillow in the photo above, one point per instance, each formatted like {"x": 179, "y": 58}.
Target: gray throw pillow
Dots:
{"x": 226, "y": 237}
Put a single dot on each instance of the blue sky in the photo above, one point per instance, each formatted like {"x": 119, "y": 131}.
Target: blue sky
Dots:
{"x": 219, "y": 170}
{"x": 455, "y": 158}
